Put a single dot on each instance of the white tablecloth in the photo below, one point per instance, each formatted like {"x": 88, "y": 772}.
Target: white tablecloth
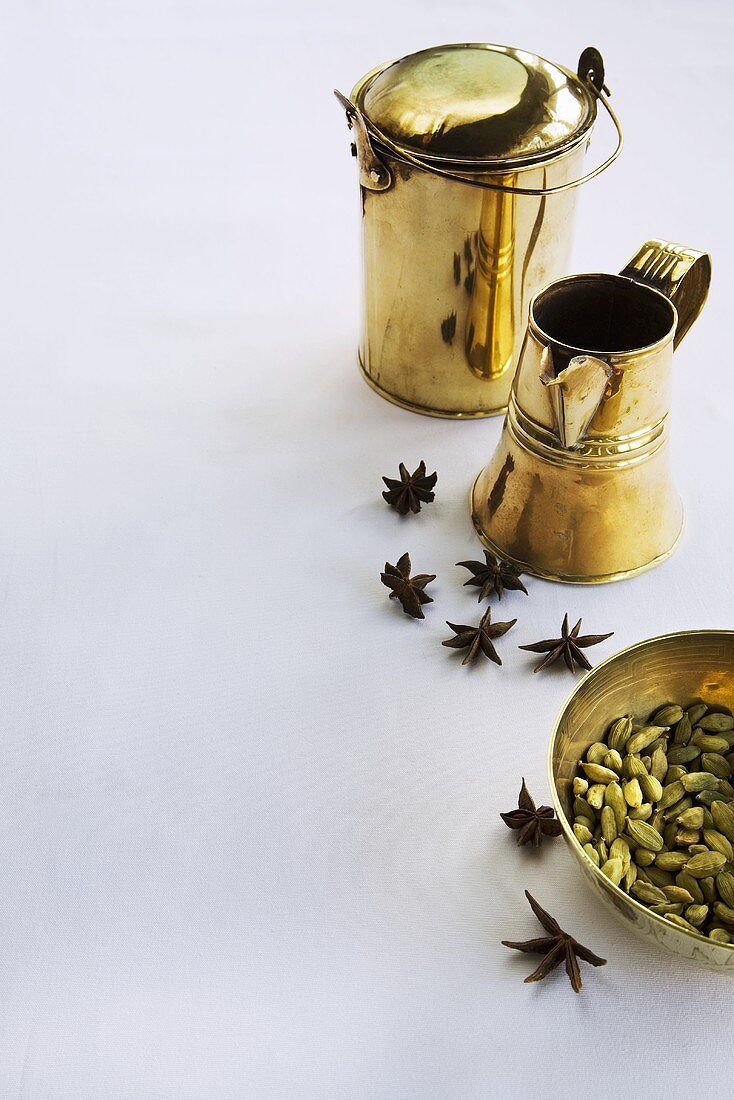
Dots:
{"x": 249, "y": 833}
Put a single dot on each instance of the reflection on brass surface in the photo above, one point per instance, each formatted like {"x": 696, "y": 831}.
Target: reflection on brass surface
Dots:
{"x": 467, "y": 200}
{"x": 692, "y": 664}
{"x": 590, "y": 498}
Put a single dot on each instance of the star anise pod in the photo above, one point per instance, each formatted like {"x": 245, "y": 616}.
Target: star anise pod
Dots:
{"x": 408, "y": 590}
{"x": 556, "y": 947}
{"x": 493, "y": 576}
{"x": 569, "y": 646}
{"x": 476, "y": 638}
{"x": 407, "y": 494}
{"x": 532, "y": 823}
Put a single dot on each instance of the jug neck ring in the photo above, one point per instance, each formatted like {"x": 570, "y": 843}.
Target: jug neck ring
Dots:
{"x": 594, "y": 452}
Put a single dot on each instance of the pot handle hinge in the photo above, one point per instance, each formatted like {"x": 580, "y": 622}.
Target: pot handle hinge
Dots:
{"x": 373, "y": 174}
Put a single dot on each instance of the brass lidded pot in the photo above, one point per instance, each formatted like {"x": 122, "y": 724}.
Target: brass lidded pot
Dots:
{"x": 468, "y": 157}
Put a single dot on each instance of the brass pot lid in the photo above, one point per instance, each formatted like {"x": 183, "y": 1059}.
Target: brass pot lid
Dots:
{"x": 476, "y": 103}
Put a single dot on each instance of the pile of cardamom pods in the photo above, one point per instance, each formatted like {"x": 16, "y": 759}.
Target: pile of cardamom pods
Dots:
{"x": 654, "y": 810}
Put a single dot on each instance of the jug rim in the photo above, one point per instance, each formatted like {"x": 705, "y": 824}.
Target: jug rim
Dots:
{"x": 599, "y": 277}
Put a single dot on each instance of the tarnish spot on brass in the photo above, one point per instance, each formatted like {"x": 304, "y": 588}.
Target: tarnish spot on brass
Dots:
{"x": 469, "y": 282}
{"x": 497, "y": 493}
{"x": 457, "y": 268}
{"x": 448, "y": 328}
{"x": 405, "y": 171}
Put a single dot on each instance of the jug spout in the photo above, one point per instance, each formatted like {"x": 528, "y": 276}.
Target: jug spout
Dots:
{"x": 575, "y": 393}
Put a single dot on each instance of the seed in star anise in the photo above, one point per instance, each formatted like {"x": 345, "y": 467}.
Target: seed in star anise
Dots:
{"x": 531, "y": 822}
{"x": 407, "y": 494}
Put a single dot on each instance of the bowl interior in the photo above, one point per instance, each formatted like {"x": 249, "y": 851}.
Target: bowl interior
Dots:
{"x": 672, "y": 668}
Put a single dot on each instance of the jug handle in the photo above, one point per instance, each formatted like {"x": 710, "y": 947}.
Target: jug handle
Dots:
{"x": 681, "y": 274}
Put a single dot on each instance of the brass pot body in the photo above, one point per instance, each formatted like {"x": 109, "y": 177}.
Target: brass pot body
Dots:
{"x": 449, "y": 273}
{"x": 674, "y": 667}
{"x": 599, "y": 505}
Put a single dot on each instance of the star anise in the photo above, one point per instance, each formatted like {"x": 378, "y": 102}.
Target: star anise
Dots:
{"x": 408, "y": 590}
{"x": 406, "y": 494}
{"x": 476, "y": 638}
{"x": 557, "y": 946}
{"x": 532, "y": 823}
{"x": 569, "y": 646}
{"x": 493, "y": 576}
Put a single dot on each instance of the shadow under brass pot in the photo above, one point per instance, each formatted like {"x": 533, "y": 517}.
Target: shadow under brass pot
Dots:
{"x": 670, "y": 668}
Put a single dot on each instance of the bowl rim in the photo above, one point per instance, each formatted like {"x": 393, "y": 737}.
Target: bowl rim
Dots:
{"x": 568, "y": 833}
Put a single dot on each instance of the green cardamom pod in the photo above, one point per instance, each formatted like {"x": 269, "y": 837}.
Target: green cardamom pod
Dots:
{"x": 643, "y": 835}
{"x": 596, "y": 752}
{"x": 725, "y": 913}
{"x": 717, "y": 764}
{"x": 614, "y": 797}
{"x": 668, "y": 715}
{"x": 632, "y": 793}
{"x": 592, "y": 853}
{"x": 583, "y": 834}
{"x": 723, "y": 816}
{"x": 580, "y": 786}
{"x": 643, "y": 857}
{"x": 683, "y": 754}
{"x": 679, "y": 894}
{"x": 717, "y": 842}
{"x": 599, "y": 774}
{"x": 725, "y": 887}
{"x": 717, "y": 723}
{"x": 691, "y": 818}
{"x": 699, "y": 781}
{"x": 659, "y": 765}
{"x": 613, "y": 870}
{"x": 651, "y": 895}
{"x": 620, "y": 849}
{"x": 708, "y": 743}
{"x": 705, "y": 864}
{"x": 671, "y": 794}
{"x": 633, "y": 767}
{"x": 696, "y": 914}
{"x": 608, "y": 826}
{"x": 719, "y": 935}
{"x": 681, "y": 922}
{"x": 652, "y": 789}
{"x": 683, "y": 731}
{"x": 696, "y": 712}
{"x": 641, "y": 813}
{"x": 689, "y": 883}
{"x": 671, "y": 861}
{"x": 619, "y": 733}
{"x": 644, "y": 737}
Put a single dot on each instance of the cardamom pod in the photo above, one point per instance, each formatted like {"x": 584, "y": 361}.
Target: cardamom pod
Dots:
{"x": 691, "y": 818}
{"x": 717, "y": 764}
{"x": 696, "y": 914}
{"x": 671, "y": 861}
{"x": 641, "y": 813}
{"x": 696, "y": 712}
{"x": 683, "y": 754}
{"x": 632, "y": 793}
{"x": 643, "y": 857}
{"x": 633, "y": 767}
{"x": 668, "y": 715}
{"x": 614, "y": 797}
{"x": 681, "y": 922}
{"x": 709, "y": 743}
{"x": 689, "y": 883}
{"x": 644, "y": 737}
{"x": 671, "y": 794}
{"x": 683, "y": 731}
{"x": 620, "y": 849}
{"x": 592, "y": 853}
{"x": 659, "y": 765}
{"x": 665, "y": 910}
{"x": 705, "y": 864}
{"x": 619, "y": 733}
{"x": 723, "y": 816}
{"x": 717, "y": 842}
{"x": 580, "y": 786}
{"x": 651, "y": 788}
{"x": 719, "y": 935}
{"x": 679, "y": 894}
{"x": 717, "y": 723}
{"x": 596, "y": 752}
{"x": 725, "y": 913}
{"x": 599, "y": 774}
{"x": 698, "y": 781}
{"x": 643, "y": 835}
{"x": 613, "y": 870}
{"x": 609, "y": 827}
{"x": 583, "y": 834}
{"x": 725, "y": 887}
{"x": 652, "y": 895}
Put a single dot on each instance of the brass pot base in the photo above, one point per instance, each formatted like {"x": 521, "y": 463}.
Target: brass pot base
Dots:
{"x": 441, "y": 414}
{"x": 546, "y": 575}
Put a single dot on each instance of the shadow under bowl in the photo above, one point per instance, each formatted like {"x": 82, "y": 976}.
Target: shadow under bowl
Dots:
{"x": 680, "y": 668}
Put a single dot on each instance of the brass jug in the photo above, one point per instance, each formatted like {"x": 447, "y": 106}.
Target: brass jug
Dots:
{"x": 579, "y": 488}
{"x": 468, "y": 158}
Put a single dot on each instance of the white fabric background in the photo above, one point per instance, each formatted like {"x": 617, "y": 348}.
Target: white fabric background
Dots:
{"x": 249, "y": 843}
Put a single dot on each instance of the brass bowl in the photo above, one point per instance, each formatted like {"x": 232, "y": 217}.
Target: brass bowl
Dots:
{"x": 672, "y": 667}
